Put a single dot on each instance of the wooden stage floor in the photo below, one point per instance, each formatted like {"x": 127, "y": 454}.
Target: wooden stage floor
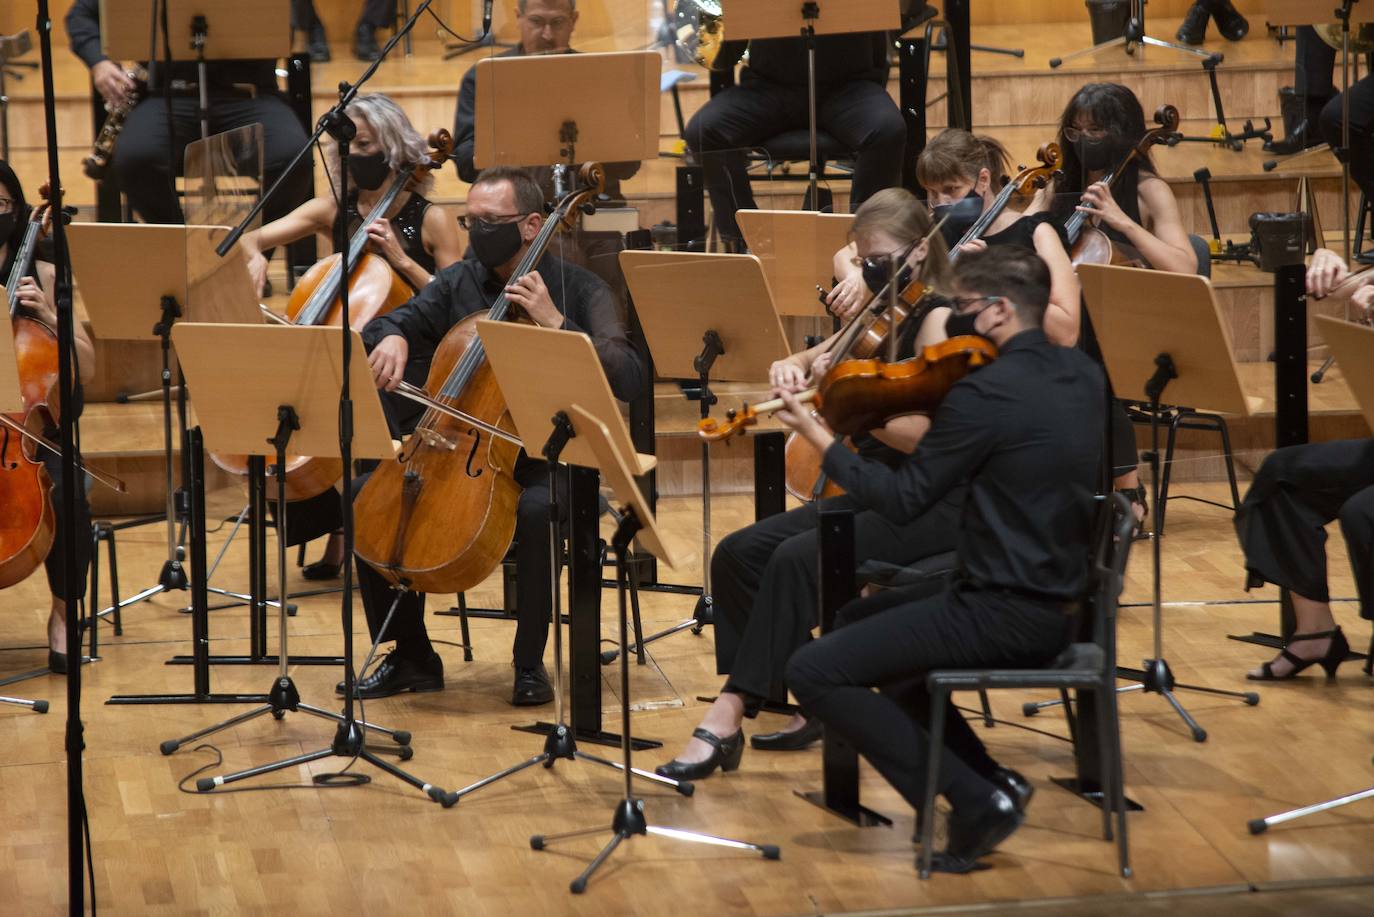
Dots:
{"x": 384, "y": 848}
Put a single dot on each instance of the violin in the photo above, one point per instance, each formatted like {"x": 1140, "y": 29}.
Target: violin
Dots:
{"x": 1026, "y": 180}
{"x": 373, "y": 289}
{"x": 863, "y": 394}
{"x": 1089, "y": 244}
{"x": 441, "y": 515}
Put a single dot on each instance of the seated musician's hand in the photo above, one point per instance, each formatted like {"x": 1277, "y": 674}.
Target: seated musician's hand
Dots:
{"x": 257, "y": 270}
{"x": 111, "y": 82}
{"x": 1363, "y": 299}
{"x": 530, "y": 294}
{"x": 388, "y": 361}
{"x": 847, "y": 297}
{"x": 1103, "y": 206}
{"x": 819, "y": 367}
{"x": 972, "y": 246}
{"x": 382, "y": 239}
{"x": 31, "y": 298}
{"x": 786, "y": 374}
{"x": 1326, "y": 272}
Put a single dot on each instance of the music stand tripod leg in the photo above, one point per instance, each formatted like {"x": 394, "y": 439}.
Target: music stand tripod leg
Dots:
{"x": 629, "y": 819}
{"x": 560, "y": 741}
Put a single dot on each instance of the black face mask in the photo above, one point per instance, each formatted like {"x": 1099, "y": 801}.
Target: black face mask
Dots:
{"x": 962, "y": 325}
{"x": 7, "y": 222}
{"x": 369, "y": 172}
{"x": 494, "y": 243}
{"x": 878, "y": 271}
{"x": 1096, "y": 154}
{"x": 962, "y": 214}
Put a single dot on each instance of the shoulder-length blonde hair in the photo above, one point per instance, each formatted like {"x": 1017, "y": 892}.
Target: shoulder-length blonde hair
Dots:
{"x": 897, "y": 212}
{"x": 397, "y": 137}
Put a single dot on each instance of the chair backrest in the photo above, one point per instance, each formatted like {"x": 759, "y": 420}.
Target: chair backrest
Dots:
{"x": 1204, "y": 254}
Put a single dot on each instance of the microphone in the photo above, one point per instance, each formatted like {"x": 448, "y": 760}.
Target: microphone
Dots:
{"x": 486, "y": 18}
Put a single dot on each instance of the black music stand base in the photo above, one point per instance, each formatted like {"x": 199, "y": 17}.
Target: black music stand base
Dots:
{"x": 858, "y": 815}
{"x": 1091, "y": 791}
{"x": 628, "y": 819}
{"x": 1260, "y": 825}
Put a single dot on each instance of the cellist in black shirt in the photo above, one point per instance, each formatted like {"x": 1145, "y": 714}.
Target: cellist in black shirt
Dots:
{"x": 1030, "y": 426}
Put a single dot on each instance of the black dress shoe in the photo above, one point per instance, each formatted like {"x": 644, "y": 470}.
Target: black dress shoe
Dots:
{"x": 976, "y": 834}
{"x": 321, "y": 570}
{"x": 1230, "y": 23}
{"x": 809, "y": 734}
{"x": 726, "y": 756}
{"x": 317, "y": 45}
{"x": 57, "y": 662}
{"x": 1018, "y": 789}
{"x": 365, "y": 43}
{"x": 532, "y": 687}
{"x": 397, "y": 675}
{"x": 1193, "y": 31}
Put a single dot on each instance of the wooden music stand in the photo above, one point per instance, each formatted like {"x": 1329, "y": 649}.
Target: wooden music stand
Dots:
{"x": 572, "y": 108}
{"x": 628, "y": 819}
{"x": 1164, "y": 332}
{"x": 245, "y": 30}
{"x": 544, "y": 418}
{"x": 288, "y": 406}
{"x": 796, "y": 249}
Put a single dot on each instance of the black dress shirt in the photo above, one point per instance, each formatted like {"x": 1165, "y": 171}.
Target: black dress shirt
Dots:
{"x": 83, "y": 33}
{"x": 465, "y": 134}
{"x": 467, "y": 286}
{"x": 1026, "y": 432}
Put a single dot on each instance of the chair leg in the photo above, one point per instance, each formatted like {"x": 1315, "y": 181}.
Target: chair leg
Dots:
{"x": 1166, "y": 470}
{"x": 1118, "y": 773}
{"x": 112, "y": 556}
{"x": 1105, "y": 762}
{"x": 1070, "y": 719}
{"x": 938, "y": 701}
{"x": 987, "y": 708}
{"x": 93, "y": 589}
{"x": 463, "y": 626}
{"x": 1230, "y": 461}
{"x": 300, "y": 554}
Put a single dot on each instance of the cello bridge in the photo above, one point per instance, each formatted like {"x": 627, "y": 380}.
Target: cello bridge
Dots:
{"x": 433, "y": 438}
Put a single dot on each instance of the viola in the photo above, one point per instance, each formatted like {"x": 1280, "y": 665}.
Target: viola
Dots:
{"x": 863, "y": 394}
{"x": 373, "y": 289}
{"x": 1026, "y": 180}
{"x": 1089, "y": 244}
{"x": 441, "y": 515}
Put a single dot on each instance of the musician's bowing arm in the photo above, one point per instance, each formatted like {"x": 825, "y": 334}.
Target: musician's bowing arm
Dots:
{"x": 959, "y": 438}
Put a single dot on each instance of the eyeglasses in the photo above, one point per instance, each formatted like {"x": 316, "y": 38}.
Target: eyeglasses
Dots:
{"x": 884, "y": 259}
{"x": 1075, "y": 134}
{"x": 6, "y": 205}
{"x": 962, "y": 303}
{"x": 469, "y": 223}
{"x": 539, "y": 23}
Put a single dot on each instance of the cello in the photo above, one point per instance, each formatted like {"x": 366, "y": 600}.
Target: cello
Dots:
{"x": 1090, "y": 245}
{"x": 373, "y": 289}
{"x": 27, "y": 522}
{"x": 441, "y": 515}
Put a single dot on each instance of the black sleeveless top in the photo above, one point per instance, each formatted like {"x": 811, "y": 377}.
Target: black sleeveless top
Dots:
{"x": 408, "y": 224}
{"x": 1022, "y": 232}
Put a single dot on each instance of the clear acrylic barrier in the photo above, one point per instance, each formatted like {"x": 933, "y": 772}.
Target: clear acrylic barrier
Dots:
{"x": 223, "y": 177}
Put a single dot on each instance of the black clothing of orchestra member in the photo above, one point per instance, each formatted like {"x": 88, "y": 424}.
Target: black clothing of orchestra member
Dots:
{"x": 457, "y": 291}
{"x": 376, "y": 14}
{"x": 1029, "y": 425}
{"x": 241, "y": 93}
{"x": 852, "y": 105}
{"x": 1281, "y": 522}
{"x": 465, "y": 139}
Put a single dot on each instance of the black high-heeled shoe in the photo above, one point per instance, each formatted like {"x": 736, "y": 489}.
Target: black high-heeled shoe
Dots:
{"x": 1335, "y": 655}
{"x": 726, "y": 756}
{"x": 321, "y": 570}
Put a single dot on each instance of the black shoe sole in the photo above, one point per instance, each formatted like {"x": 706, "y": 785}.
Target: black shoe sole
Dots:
{"x": 531, "y": 702}
{"x": 422, "y": 688}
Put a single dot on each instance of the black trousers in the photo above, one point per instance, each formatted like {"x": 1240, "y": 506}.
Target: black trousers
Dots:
{"x": 146, "y": 176}
{"x": 533, "y": 606}
{"x": 860, "y": 115}
{"x": 1316, "y": 60}
{"x": 81, "y": 535}
{"x": 1297, "y": 491}
{"x": 764, "y": 584}
{"x": 379, "y": 14}
{"x": 1361, "y": 131}
{"x": 834, "y": 676}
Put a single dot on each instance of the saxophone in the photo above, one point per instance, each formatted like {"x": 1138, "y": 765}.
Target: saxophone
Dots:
{"x": 700, "y": 29}
{"x": 97, "y": 165}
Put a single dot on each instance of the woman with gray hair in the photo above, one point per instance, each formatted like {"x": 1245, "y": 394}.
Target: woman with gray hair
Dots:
{"x": 415, "y": 236}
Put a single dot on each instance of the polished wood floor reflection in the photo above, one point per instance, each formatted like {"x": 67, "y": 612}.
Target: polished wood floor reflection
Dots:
{"x": 384, "y": 848}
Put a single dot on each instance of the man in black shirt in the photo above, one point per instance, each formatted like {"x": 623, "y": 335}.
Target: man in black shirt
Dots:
{"x": 852, "y": 105}
{"x": 1030, "y": 427}
{"x": 241, "y": 93}
{"x": 505, "y": 211}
